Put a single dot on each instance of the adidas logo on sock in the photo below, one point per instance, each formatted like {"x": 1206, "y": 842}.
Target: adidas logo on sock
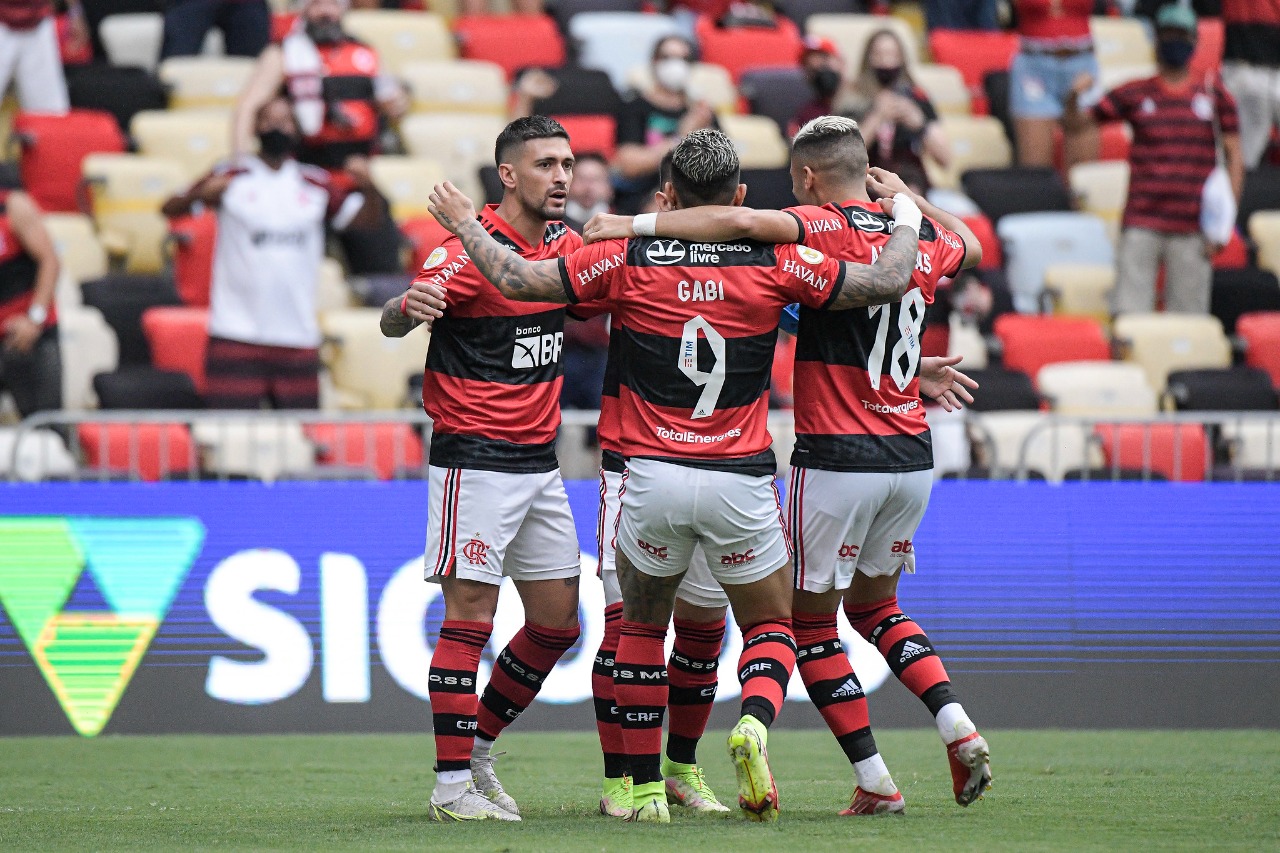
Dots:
{"x": 911, "y": 650}
{"x": 849, "y": 690}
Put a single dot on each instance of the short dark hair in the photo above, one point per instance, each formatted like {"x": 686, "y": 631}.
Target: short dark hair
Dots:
{"x": 523, "y": 130}
{"x": 705, "y": 168}
{"x": 590, "y": 157}
{"x": 832, "y": 144}
{"x": 687, "y": 42}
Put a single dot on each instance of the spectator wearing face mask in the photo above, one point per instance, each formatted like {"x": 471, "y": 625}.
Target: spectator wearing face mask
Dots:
{"x": 652, "y": 123}
{"x": 823, "y": 68}
{"x": 898, "y": 122}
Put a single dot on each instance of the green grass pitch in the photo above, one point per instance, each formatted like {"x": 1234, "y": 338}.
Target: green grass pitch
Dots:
{"x": 1071, "y": 790}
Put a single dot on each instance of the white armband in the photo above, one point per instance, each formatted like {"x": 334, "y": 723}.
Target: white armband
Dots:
{"x": 905, "y": 212}
{"x": 645, "y": 224}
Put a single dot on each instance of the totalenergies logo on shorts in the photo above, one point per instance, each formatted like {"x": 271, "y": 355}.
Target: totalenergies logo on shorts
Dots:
{"x": 88, "y": 655}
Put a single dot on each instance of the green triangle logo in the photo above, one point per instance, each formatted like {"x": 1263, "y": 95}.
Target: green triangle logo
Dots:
{"x": 139, "y": 565}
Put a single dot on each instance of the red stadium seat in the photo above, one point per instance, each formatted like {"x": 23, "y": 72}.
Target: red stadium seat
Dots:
{"x": 281, "y": 23}
{"x": 385, "y": 448}
{"x": 1209, "y": 44}
{"x": 178, "y": 338}
{"x": 982, "y": 228}
{"x": 424, "y": 235}
{"x": 193, "y": 242}
{"x": 1113, "y": 141}
{"x": 1176, "y": 451}
{"x": 596, "y": 134}
{"x": 1261, "y": 333}
{"x": 53, "y": 148}
{"x": 148, "y": 451}
{"x": 511, "y": 41}
{"x": 1234, "y": 255}
{"x": 1032, "y": 341}
{"x": 741, "y": 49}
{"x": 974, "y": 53}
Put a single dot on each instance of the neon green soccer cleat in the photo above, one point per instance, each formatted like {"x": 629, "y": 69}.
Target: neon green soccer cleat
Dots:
{"x": 687, "y": 787}
{"x": 649, "y": 804}
{"x": 615, "y": 797}
{"x": 757, "y": 793}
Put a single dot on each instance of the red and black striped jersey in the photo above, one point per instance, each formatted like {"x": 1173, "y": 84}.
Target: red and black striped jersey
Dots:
{"x": 857, "y": 386}
{"x": 17, "y": 271}
{"x": 695, "y": 330}
{"x": 493, "y": 374}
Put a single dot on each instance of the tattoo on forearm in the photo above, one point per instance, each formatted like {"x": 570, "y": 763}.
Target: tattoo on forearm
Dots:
{"x": 887, "y": 280}
{"x": 515, "y": 277}
{"x": 393, "y": 323}
{"x": 645, "y": 598}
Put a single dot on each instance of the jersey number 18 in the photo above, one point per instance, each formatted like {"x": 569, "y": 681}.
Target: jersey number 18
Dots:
{"x": 911, "y": 318}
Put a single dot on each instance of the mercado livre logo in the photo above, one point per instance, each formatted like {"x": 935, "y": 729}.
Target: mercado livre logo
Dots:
{"x": 88, "y": 656}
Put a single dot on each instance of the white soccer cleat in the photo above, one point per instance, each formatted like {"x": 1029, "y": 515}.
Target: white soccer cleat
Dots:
{"x": 468, "y": 806}
{"x": 486, "y": 782}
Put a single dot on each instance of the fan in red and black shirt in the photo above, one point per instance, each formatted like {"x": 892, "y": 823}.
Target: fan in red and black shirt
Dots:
{"x": 862, "y": 467}
{"x": 698, "y": 322}
{"x": 30, "y": 363}
{"x": 497, "y": 506}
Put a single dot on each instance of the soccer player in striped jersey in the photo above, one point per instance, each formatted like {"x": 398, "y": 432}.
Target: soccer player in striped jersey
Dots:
{"x": 699, "y": 324}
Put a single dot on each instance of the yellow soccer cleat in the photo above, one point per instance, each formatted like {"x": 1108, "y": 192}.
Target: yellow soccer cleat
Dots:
{"x": 757, "y": 792}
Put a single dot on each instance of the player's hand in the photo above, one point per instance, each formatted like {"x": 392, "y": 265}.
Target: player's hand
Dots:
{"x": 883, "y": 184}
{"x": 940, "y": 381}
{"x": 425, "y": 302}
{"x": 450, "y": 206}
{"x": 607, "y": 226}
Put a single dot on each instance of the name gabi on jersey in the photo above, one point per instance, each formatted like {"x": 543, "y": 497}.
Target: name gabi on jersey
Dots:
{"x": 700, "y": 291}
{"x": 805, "y": 274}
{"x": 601, "y": 267}
{"x": 924, "y": 263}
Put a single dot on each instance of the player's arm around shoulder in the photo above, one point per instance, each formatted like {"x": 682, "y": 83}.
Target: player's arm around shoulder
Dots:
{"x": 882, "y": 183}
{"x": 889, "y": 278}
{"x": 707, "y": 224}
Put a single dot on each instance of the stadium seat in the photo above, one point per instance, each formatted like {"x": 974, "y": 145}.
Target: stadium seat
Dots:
{"x": 1254, "y": 443}
{"x": 192, "y": 240}
{"x": 800, "y": 11}
{"x": 565, "y": 10}
{"x": 514, "y": 42}
{"x": 88, "y": 347}
{"x": 977, "y": 142}
{"x": 204, "y": 81}
{"x": 964, "y": 339}
{"x": 1035, "y": 241}
{"x": 459, "y": 85}
{"x": 143, "y": 451}
{"x": 580, "y": 91}
{"x": 1032, "y": 341}
{"x": 999, "y": 192}
{"x": 146, "y": 388}
{"x": 757, "y": 141}
{"x": 1003, "y": 390}
{"x": 424, "y": 235}
{"x": 401, "y": 37}
{"x": 332, "y": 291}
{"x": 1230, "y": 389}
{"x": 178, "y": 337}
{"x": 1210, "y": 40}
{"x": 1261, "y": 192}
{"x": 133, "y": 39}
{"x": 385, "y": 448}
{"x": 591, "y": 134}
{"x": 617, "y": 42}
{"x": 778, "y": 93}
{"x": 126, "y": 193}
{"x": 707, "y": 82}
{"x": 1179, "y": 452}
{"x": 1242, "y": 291}
{"x": 54, "y": 149}
{"x": 852, "y": 32}
{"x": 1097, "y": 389}
{"x": 1121, "y": 42}
{"x": 768, "y": 188}
{"x": 41, "y": 455}
{"x": 1102, "y": 188}
{"x": 370, "y": 371}
{"x": 1114, "y": 76}
{"x": 195, "y": 139}
{"x": 740, "y": 49}
{"x": 406, "y": 182}
{"x": 460, "y": 142}
{"x": 1163, "y": 343}
{"x": 945, "y": 87}
{"x": 1038, "y": 445}
{"x": 1114, "y": 141}
{"x": 1234, "y": 255}
{"x": 256, "y": 448}
{"x": 1261, "y": 334}
{"x": 281, "y": 23}
{"x": 81, "y": 255}
{"x": 1081, "y": 290}
{"x": 122, "y": 92}
{"x": 122, "y": 299}
{"x": 980, "y": 225}
{"x": 1264, "y": 231}
{"x": 974, "y": 54}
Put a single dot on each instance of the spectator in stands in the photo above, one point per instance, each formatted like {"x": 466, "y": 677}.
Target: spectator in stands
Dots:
{"x": 245, "y": 25}
{"x": 825, "y": 70}
{"x": 898, "y": 121}
{"x": 590, "y": 192}
{"x": 961, "y": 14}
{"x": 1056, "y": 48}
{"x": 339, "y": 101}
{"x": 263, "y": 331}
{"x": 30, "y": 56}
{"x": 487, "y": 7}
{"x": 1251, "y": 70}
{"x": 30, "y": 362}
{"x": 1174, "y": 151}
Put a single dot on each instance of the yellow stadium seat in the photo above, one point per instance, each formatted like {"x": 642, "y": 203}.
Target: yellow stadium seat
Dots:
{"x": 332, "y": 291}
{"x": 1114, "y": 76}
{"x": 460, "y": 142}
{"x": 1097, "y": 389}
{"x": 977, "y": 142}
{"x": 127, "y": 191}
{"x": 401, "y": 37}
{"x": 370, "y": 371}
{"x": 196, "y": 139}
{"x": 852, "y": 32}
{"x": 1051, "y": 451}
{"x": 1163, "y": 343}
{"x": 82, "y": 256}
{"x": 945, "y": 87}
{"x": 1081, "y": 290}
{"x": 757, "y": 140}
{"x": 89, "y": 347}
{"x": 406, "y": 182}
{"x": 1102, "y": 188}
{"x": 460, "y": 85}
{"x": 707, "y": 82}
{"x": 1121, "y": 41}
{"x": 1264, "y": 230}
{"x": 205, "y": 81}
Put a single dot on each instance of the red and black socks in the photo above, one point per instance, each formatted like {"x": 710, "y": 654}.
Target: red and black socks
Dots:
{"x": 452, "y": 690}
{"x": 640, "y": 685}
{"x": 518, "y": 675}
{"x": 764, "y": 668}
{"x": 691, "y": 670}
{"x": 608, "y": 723}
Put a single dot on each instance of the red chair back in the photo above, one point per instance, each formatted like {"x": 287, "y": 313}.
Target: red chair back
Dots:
{"x": 147, "y": 451}
{"x": 511, "y": 41}
{"x": 382, "y": 447}
{"x": 1032, "y": 341}
{"x": 741, "y": 49}
{"x": 194, "y": 238}
{"x": 179, "y": 339}
{"x": 981, "y": 226}
{"x": 1261, "y": 333}
{"x": 53, "y": 149}
{"x": 596, "y": 134}
{"x": 973, "y": 52}
{"x": 1176, "y": 451}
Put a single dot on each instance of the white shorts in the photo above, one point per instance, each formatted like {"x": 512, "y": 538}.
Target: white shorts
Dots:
{"x": 486, "y": 525}
{"x": 698, "y": 588}
{"x": 842, "y": 522}
{"x": 668, "y": 509}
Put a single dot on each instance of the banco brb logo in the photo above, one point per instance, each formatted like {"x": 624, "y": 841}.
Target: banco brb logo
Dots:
{"x": 89, "y": 656}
